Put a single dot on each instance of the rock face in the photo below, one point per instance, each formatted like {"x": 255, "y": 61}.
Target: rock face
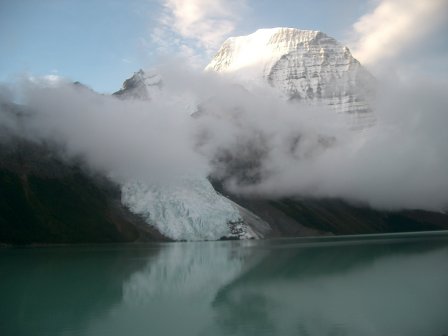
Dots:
{"x": 46, "y": 200}
{"x": 142, "y": 85}
{"x": 302, "y": 64}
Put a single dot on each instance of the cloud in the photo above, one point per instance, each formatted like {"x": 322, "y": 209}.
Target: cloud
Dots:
{"x": 201, "y": 25}
{"x": 401, "y": 163}
{"x": 129, "y": 139}
{"x": 255, "y": 142}
{"x": 396, "y": 26}
{"x": 264, "y": 146}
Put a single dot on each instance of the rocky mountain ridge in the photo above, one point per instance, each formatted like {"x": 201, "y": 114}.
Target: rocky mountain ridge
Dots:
{"x": 302, "y": 64}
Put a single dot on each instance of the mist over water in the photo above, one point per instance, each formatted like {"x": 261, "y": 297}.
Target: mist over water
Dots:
{"x": 388, "y": 285}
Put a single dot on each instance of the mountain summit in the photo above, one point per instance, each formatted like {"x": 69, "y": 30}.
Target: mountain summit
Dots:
{"x": 303, "y": 64}
{"x": 142, "y": 85}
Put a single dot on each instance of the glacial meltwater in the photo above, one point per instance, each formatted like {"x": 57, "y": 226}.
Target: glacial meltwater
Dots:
{"x": 382, "y": 285}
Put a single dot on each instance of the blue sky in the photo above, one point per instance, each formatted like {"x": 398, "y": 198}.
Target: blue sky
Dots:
{"x": 102, "y": 42}
{"x": 96, "y": 42}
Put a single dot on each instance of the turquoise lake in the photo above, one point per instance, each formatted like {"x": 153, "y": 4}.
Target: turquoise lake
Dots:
{"x": 388, "y": 285}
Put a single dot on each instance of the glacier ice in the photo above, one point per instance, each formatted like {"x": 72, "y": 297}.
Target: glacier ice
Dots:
{"x": 186, "y": 208}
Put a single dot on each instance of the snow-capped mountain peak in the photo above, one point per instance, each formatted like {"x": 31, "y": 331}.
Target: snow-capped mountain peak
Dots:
{"x": 263, "y": 47}
{"x": 302, "y": 64}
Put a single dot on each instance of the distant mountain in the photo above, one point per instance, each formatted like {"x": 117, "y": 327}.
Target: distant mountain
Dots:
{"x": 302, "y": 64}
{"x": 142, "y": 85}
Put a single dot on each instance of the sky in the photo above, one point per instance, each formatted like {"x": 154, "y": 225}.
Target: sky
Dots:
{"x": 102, "y": 42}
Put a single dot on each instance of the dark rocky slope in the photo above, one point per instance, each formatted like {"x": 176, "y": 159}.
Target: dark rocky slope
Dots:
{"x": 305, "y": 217}
{"x": 45, "y": 200}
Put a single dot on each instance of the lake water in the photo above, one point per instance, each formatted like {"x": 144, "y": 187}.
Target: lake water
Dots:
{"x": 386, "y": 285}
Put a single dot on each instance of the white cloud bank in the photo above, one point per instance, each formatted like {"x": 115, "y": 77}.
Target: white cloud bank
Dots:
{"x": 258, "y": 143}
{"x": 394, "y": 26}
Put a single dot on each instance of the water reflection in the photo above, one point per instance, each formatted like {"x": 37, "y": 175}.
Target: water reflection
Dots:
{"x": 234, "y": 288}
{"x": 172, "y": 295}
{"x": 50, "y": 291}
{"x": 342, "y": 291}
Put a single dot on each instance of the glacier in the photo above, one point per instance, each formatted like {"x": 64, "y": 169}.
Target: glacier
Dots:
{"x": 188, "y": 208}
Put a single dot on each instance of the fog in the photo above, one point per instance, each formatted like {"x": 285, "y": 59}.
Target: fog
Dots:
{"x": 256, "y": 143}
{"x": 401, "y": 162}
{"x": 131, "y": 139}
